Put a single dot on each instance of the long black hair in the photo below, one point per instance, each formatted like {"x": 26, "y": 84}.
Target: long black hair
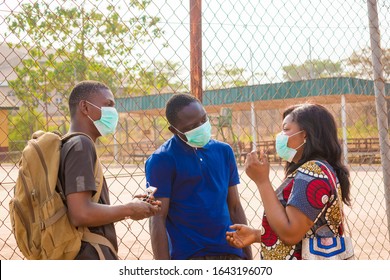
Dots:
{"x": 321, "y": 142}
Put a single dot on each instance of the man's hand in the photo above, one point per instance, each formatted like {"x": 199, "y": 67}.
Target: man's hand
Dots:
{"x": 243, "y": 236}
{"x": 139, "y": 209}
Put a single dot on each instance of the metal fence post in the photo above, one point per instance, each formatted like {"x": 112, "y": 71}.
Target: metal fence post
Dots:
{"x": 381, "y": 108}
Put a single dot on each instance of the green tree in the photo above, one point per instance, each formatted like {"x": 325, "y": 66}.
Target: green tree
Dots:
{"x": 225, "y": 76}
{"x": 32, "y": 82}
{"x": 161, "y": 77}
{"x": 68, "y": 42}
{"x": 312, "y": 69}
{"x": 22, "y": 126}
{"x": 359, "y": 64}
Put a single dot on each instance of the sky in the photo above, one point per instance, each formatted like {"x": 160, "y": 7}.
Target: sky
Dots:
{"x": 263, "y": 36}
{"x": 259, "y": 36}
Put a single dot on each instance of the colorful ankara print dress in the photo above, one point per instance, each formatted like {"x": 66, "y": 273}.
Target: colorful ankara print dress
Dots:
{"x": 309, "y": 189}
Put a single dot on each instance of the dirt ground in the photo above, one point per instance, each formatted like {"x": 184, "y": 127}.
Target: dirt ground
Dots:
{"x": 367, "y": 217}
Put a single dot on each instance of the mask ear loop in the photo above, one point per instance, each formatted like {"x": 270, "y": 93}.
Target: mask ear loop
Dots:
{"x": 178, "y": 134}
{"x": 177, "y": 130}
{"x": 93, "y": 106}
{"x": 304, "y": 140}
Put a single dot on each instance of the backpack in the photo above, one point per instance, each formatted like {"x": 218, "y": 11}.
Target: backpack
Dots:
{"x": 38, "y": 209}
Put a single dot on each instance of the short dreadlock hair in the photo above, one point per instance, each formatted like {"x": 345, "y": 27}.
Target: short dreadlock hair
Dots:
{"x": 176, "y": 103}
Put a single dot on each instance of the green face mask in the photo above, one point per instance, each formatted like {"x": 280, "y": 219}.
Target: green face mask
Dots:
{"x": 283, "y": 150}
{"x": 108, "y": 121}
{"x": 199, "y": 136}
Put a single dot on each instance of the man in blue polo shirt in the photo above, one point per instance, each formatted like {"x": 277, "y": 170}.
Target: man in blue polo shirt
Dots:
{"x": 196, "y": 180}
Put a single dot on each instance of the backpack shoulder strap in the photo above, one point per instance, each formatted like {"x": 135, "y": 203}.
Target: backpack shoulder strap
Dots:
{"x": 93, "y": 238}
{"x": 98, "y": 180}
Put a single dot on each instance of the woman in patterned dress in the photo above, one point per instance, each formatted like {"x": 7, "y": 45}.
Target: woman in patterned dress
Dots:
{"x": 307, "y": 142}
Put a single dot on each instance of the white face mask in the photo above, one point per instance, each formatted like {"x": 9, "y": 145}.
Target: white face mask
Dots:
{"x": 283, "y": 150}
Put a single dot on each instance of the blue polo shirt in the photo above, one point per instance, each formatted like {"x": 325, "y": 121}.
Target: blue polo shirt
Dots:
{"x": 196, "y": 180}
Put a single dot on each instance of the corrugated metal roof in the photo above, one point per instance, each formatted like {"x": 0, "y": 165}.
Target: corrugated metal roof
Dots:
{"x": 327, "y": 90}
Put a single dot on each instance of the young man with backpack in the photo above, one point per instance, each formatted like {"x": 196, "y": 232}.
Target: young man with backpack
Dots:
{"x": 61, "y": 207}
{"x": 92, "y": 112}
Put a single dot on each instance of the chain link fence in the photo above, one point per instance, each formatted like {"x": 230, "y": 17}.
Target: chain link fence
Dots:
{"x": 258, "y": 57}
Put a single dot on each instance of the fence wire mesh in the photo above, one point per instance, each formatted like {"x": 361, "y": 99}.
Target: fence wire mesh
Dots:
{"x": 258, "y": 57}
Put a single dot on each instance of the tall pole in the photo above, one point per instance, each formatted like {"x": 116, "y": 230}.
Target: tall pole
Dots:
{"x": 196, "y": 48}
{"x": 83, "y": 26}
{"x": 381, "y": 106}
{"x": 45, "y": 95}
{"x": 311, "y": 74}
{"x": 344, "y": 128}
{"x": 46, "y": 107}
{"x": 253, "y": 112}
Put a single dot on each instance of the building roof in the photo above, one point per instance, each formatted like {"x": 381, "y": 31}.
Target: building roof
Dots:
{"x": 10, "y": 58}
{"x": 6, "y": 103}
{"x": 264, "y": 97}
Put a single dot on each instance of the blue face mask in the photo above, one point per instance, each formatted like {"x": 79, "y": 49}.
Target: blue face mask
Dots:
{"x": 199, "y": 136}
{"x": 283, "y": 150}
{"x": 108, "y": 121}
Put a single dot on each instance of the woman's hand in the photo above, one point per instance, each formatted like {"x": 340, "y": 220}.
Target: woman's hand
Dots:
{"x": 243, "y": 236}
{"x": 257, "y": 169}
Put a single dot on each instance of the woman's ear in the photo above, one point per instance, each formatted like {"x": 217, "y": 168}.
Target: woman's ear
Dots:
{"x": 304, "y": 135}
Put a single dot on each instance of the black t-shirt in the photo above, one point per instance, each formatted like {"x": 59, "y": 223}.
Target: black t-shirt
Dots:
{"x": 76, "y": 173}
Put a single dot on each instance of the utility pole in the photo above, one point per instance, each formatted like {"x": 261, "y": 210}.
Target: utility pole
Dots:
{"x": 196, "y": 48}
{"x": 45, "y": 95}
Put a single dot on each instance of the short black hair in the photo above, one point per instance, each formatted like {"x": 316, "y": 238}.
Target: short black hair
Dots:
{"x": 176, "y": 103}
{"x": 84, "y": 91}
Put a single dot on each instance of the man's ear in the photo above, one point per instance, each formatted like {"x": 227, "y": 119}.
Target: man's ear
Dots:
{"x": 83, "y": 108}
